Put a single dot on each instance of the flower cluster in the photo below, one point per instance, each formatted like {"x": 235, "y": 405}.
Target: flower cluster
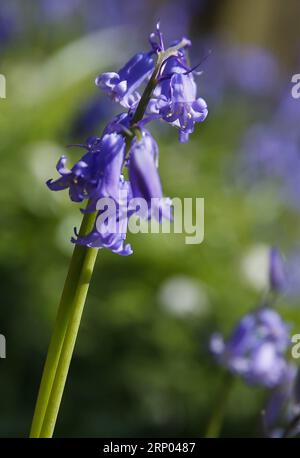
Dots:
{"x": 174, "y": 98}
{"x": 257, "y": 348}
{"x": 126, "y": 148}
{"x": 257, "y": 352}
{"x": 270, "y": 152}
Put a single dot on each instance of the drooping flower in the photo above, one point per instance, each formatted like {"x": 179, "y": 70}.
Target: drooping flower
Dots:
{"x": 111, "y": 223}
{"x": 122, "y": 86}
{"x": 277, "y": 276}
{"x": 144, "y": 177}
{"x": 110, "y": 227}
{"x": 111, "y": 158}
{"x": 256, "y": 349}
{"x": 175, "y": 98}
{"x": 97, "y": 173}
{"x": 82, "y": 178}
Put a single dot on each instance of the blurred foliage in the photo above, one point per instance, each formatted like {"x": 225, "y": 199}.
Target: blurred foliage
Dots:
{"x": 141, "y": 365}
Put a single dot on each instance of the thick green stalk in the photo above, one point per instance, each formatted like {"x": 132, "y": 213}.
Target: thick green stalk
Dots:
{"x": 82, "y": 260}
{"x": 69, "y": 342}
{"x": 218, "y": 412}
{"x": 141, "y": 108}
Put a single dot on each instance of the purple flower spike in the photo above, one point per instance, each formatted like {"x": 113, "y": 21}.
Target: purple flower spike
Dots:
{"x": 122, "y": 86}
{"x": 256, "y": 348}
{"x": 277, "y": 275}
{"x": 171, "y": 95}
{"x": 143, "y": 174}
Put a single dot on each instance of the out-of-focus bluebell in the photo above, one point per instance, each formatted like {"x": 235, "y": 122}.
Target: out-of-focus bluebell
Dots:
{"x": 233, "y": 70}
{"x": 253, "y": 70}
{"x": 9, "y": 22}
{"x": 281, "y": 415}
{"x": 256, "y": 348}
{"x": 293, "y": 273}
{"x": 90, "y": 117}
{"x": 60, "y": 10}
{"x": 277, "y": 274}
{"x": 287, "y": 113}
{"x": 269, "y": 154}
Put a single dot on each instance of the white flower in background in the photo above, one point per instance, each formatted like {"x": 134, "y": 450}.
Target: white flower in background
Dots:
{"x": 255, "y": 266}
{"x": 181, "y": 295}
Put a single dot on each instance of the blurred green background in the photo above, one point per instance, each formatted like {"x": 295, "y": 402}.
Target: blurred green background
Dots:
{"x": 141, "y": 365}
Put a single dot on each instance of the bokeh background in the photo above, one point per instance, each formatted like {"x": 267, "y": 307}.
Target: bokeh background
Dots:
{"x": 142, "y": 365}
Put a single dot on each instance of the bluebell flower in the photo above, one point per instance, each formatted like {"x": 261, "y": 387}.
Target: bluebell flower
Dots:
{"x": 110, "y": 163}
{"x": 256, "y": 349}
{"x": 97, "y": 173}
{"x": 122, "y": 86}
{"x": 113, "y": 153}
{"x": 81, "y": 179}
{"x": 277, "y": 275}
{"x": 144, "y": 182}
{"x": 144, "y": 177}
{"x": 175, "y": 98}
{"x": 110, "y": 230}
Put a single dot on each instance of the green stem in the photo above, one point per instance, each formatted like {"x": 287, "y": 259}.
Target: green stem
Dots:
{"x": 69, "y": 343}
{"x": 74, "y": 293}
{"x": 218, "y": 412}
{"x": 141, "y": 108}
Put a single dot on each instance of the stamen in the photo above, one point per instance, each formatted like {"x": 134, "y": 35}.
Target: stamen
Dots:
{"x": 198, "y": 65}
